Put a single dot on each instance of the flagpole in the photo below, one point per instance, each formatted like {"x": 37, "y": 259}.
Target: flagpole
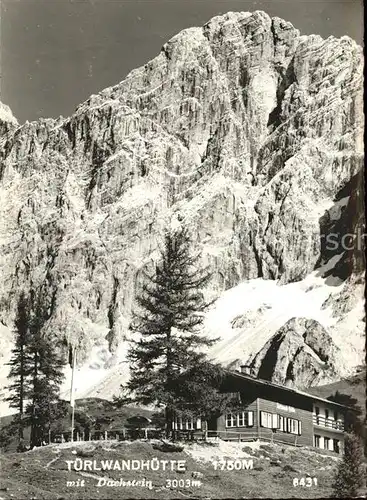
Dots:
{"x": 72, "y": 400}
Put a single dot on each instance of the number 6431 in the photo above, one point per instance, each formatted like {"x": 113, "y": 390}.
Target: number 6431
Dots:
{"x": 305, "y": 481}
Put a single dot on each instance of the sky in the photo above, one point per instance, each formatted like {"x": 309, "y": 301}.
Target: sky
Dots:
{"x": 55, "y": 53}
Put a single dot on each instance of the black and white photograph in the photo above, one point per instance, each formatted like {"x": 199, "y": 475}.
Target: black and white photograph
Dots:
{"x": 182, "y": 250}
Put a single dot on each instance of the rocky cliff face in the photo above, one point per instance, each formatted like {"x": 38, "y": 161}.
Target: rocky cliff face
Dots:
{"x": 301, "y": 350}
{"x": 8, "y": 123}
{"x": 243, "y": 130}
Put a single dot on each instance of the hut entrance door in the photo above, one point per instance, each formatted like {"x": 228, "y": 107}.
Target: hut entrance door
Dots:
{"x": 212, "y": 424}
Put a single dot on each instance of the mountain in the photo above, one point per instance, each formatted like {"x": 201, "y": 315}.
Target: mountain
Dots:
{"x": 244, "y": 130}
{"x": 8, "y": 123}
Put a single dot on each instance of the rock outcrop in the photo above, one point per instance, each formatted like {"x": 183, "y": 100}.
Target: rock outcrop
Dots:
{"x": 300, "y": 352}
{"x": 8, "y": 123}
{"x": 342, "y": 229}
{"x": 244, "y": 130}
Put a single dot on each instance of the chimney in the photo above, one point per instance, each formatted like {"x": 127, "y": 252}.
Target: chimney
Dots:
{"x": 246, "y": 370}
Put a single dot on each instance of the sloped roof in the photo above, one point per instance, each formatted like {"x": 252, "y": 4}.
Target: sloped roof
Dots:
{"x": 259, "y": 381}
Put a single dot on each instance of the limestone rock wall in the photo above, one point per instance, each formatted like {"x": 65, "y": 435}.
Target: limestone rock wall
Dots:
{"x": 243, "y": 129}
{"x": 301, "y": 353}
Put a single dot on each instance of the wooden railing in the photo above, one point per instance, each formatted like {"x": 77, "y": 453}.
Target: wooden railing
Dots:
{"x": 328, "y": 422}
{"x": 151, "y": 433}
{"x": 238, "y": 436}
{"x": 230, "y": 435}
{"x": 184, "y": 435}
{"x": 106, "y": 435}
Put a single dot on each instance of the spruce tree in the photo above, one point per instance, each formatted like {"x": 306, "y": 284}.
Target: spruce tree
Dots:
{"x": 36, "y": 368}
{"x": 44, "y": 408}
{"x": 169, "y": 321}
{"x": 47, "y": 371}
{"x": 20, "y": 365}
{"x": 36, "y": 325}
{"x": 353, "y": 421}
{"x": 349, "y": 477}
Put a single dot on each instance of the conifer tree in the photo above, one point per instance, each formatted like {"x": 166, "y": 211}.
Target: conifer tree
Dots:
{"x": 349, "y": 477}
{"x": 197, "y": 391}
{"x": 20, "y": 365}
{"x": 353, "y": 421}
{"x": 169, "y": 321}
{"x": 47, "y": 371}
{"x": 44, "y": 407}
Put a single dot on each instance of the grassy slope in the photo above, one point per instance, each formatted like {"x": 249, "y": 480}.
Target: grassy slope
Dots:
{"x": 31, "y": 475}
{"x": 42, "y": 473}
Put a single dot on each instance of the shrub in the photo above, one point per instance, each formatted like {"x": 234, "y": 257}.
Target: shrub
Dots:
{"x": 349, "y": 476}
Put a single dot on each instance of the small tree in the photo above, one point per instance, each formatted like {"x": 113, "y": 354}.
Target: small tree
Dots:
{"x": 349, "y": 477}
{"x": 172, "y": 307}
{"x": 20, "y": 365}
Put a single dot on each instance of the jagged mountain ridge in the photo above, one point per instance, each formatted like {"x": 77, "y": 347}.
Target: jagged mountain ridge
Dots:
{"x": 243, "y": 130}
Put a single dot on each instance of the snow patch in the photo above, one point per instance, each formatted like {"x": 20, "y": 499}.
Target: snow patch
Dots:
{"x": 270, "y": 306}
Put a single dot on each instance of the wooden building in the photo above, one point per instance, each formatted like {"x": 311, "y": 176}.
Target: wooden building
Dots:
{"x": 273, "y": 412}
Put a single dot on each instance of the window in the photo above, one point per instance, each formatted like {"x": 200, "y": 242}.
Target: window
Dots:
{"x": 281, "y": 423}
{"x": 284, "y": 424}
{"x": 335, "y": 416}
{"x": 188, "y": 424}
{"x": 293, "y": 426}
{"x": 326, "y": 414}
{"x": 231, "y": 420}
{"x": 240, "y": 419}
{"x": 274, "y": 423}
{"x": 317, "y": 410}
{"x": 317, "y": 441}
{"x": 269, "y": 420}
{"x": 327, "y": 443}
{"x": 336, "y": 447}
{"x": 266, "y": 419}
{"x": 246, "y": 419}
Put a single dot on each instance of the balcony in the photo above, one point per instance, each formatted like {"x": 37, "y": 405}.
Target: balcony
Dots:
{"x": 328, "y": 423}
